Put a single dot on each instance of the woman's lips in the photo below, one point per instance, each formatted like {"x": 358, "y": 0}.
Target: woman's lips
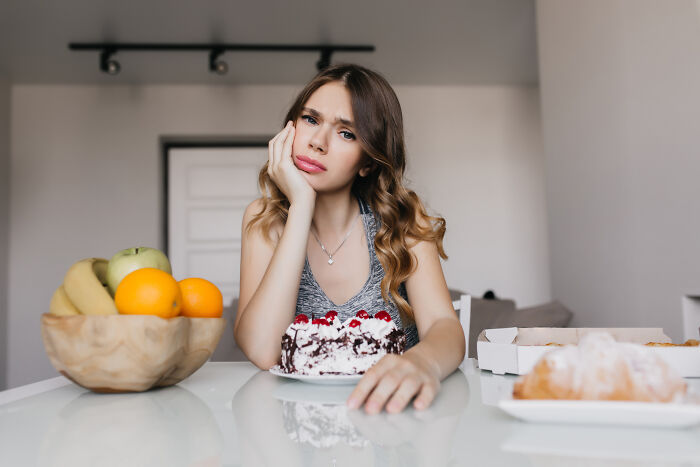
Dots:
{"x": 309, "y": 165}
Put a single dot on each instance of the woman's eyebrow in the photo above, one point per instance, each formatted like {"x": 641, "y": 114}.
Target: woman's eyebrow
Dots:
{"x": 317, "y": 114}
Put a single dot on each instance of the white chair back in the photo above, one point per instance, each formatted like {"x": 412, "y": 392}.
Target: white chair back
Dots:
{"x": 463, "y": 307}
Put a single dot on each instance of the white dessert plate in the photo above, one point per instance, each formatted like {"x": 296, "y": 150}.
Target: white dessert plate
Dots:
{"x": 322, "y": 379}
{"x": 639, "y": 414}
{"x": 326, "y": 394}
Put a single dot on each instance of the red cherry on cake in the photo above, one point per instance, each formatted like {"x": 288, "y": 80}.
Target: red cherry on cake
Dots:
{"x": 363, "y": 314}
{"x": 331, "y": 314}
{"x": 302, "y": 318}
{"x": 354, "y": 323}
{"x": 383, "y": 315}
{"x": 322, "y": 321}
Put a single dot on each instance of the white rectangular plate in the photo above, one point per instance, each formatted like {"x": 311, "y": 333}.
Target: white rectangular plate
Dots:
{"x": 623, "y": 413}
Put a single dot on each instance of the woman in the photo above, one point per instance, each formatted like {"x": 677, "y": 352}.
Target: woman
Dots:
{"x": 335, "y": 219}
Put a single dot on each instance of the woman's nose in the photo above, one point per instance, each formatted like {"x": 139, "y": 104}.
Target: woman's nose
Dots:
{"x": 318, "y": 141}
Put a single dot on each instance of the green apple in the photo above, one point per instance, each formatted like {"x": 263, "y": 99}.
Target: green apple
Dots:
{"x": 131, "y": 259}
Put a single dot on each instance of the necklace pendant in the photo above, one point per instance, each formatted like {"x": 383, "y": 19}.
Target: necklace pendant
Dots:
{"x": 330, "y": 261}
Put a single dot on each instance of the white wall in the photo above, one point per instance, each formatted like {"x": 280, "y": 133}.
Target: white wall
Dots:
{"x": 4, "y": 219}
{"x": 620, "y": 83}
{"x": 475, "y": 155}
{"x": 86, "y": 181}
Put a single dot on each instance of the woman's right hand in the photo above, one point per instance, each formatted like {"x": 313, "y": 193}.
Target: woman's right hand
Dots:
{"x": 282, "y": 170}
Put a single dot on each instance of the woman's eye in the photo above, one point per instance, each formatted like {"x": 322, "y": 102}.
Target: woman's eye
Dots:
{"x": 346, "y": 134}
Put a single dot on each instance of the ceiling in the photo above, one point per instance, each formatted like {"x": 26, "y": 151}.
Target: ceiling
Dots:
{"x": 418, "y": 42}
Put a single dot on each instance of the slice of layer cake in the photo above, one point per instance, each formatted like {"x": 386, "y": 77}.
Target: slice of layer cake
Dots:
{"x": 325, "y": 346}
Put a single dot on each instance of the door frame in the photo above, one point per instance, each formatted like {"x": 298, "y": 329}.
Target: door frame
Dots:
{"x": 194, "y": 142}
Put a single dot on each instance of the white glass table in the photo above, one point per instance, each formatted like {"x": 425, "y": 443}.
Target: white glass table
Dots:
{"x": 232, "y": 414}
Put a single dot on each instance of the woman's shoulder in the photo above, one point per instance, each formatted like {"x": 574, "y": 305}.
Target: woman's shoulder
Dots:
{"x": 255, "y": 212}
{"x": 254, "y": 208}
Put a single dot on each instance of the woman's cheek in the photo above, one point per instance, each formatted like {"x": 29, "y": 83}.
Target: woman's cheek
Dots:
{"x": 296, "y": 145}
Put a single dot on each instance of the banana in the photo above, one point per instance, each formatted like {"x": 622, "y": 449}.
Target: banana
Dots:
{"x": 61, "y": 305}
{"x": 85, "y": 285}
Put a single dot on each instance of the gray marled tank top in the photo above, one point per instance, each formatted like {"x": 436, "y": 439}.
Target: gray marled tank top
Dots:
{"x": 312, "y": 299}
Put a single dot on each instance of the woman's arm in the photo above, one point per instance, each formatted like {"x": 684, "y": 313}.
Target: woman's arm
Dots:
{"x": 418, "y": 372}
{"x": 270, "y": 273}
{"x": 270, "y": 278}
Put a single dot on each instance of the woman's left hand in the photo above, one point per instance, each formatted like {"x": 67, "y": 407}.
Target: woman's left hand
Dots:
{"x": 393, "y": 381}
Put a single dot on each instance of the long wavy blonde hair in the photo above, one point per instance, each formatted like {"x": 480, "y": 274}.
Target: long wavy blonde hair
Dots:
{"x": 379, "y": 130}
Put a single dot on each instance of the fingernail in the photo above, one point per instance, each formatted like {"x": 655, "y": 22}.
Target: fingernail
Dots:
{"x": 419, "y": 405}
{"x": 352, "y": 403}
{"x": 372, "y": 407}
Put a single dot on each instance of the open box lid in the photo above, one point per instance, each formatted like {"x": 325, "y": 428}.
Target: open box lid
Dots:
{"x": 544, "y": 336}
{"x": 516, "y": 350}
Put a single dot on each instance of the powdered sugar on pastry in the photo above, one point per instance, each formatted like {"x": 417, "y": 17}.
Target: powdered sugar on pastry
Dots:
{"x": 601, "y": 369}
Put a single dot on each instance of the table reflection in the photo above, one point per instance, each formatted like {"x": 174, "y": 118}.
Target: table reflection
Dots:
{"x": 292, "y": 423}
{"x": 167, "y": 427}
{"x": 599, "y": 446}
{"x": 318, "y": 424}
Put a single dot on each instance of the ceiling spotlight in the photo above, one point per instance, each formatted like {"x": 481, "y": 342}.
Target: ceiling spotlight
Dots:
{"x": 325, "y": 60}
{"x": 217, "y": 66}
{"x": 107, "y": 65}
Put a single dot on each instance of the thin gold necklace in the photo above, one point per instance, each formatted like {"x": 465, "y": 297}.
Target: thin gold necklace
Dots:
{"x": 330, "y": 255}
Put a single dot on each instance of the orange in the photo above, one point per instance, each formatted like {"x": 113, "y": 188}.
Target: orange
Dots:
{"x": 201, "y": 298}
{"x": 148, "y": 291}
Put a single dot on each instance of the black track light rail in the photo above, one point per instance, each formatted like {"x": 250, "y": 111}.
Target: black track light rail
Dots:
{"x": 112, "y": 67}
{"x": 117, "y": 46}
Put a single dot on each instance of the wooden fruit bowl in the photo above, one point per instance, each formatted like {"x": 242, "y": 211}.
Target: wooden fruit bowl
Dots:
{"x": 128, "y": 353}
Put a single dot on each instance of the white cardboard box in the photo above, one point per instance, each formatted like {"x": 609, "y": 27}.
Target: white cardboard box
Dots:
{"x": 516, "y": 350}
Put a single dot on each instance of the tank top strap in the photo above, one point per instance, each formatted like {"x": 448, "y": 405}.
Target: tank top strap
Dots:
{"x": 364, "y": 206}
{"x": 369, "y": 220}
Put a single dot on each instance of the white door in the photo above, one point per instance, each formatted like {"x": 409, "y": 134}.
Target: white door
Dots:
{"x": 208, "y": 190}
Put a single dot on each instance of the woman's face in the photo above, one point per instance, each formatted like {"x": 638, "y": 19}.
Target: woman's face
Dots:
{"x": 325, "y": 145}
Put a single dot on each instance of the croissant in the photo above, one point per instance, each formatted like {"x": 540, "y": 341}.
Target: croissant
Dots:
{"x": 599, "y": 368}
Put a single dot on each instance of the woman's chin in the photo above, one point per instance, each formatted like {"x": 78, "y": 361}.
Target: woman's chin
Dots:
{"x": 321, "y": 184}
{"x": 312, "y": 178}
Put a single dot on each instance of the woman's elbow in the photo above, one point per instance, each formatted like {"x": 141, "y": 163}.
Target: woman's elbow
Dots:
{"x": 261, "y": 358}
{"x": 264, "y": 363}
